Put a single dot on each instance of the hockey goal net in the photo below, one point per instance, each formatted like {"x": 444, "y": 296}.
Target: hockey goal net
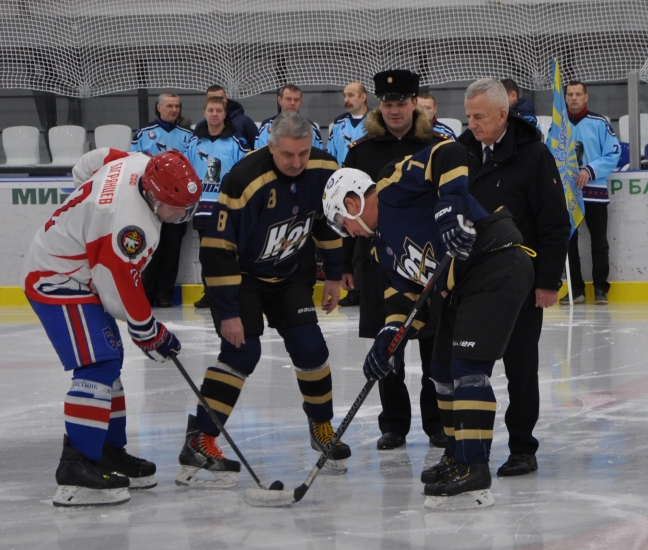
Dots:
{"x": 84, "y": 48}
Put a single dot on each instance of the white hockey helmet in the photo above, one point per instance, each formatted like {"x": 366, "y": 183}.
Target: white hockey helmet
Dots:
{"x": 342, "y": 182}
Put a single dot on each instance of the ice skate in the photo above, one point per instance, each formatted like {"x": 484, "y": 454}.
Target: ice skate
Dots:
{"x": 432, "y": 475}
{"x": 464, "y": 486}
{"x": 83, "y": 482}
{"x": 201, "y": 454}
{"x": 320, "y": 436}
{"x": 140, "y": 472}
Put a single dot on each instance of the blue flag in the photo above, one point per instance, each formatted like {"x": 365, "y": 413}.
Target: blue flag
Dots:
{"x": 561, "y": 145}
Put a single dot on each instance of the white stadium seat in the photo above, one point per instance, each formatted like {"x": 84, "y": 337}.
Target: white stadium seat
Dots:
{"x": 67, "y": 144}
{"x": 624, "y": 130}
{"x": 454, "y": 123}
{"x": 117, "y": 136}
{"x": 545, "y": 125}
{"x": 20, "y": 145}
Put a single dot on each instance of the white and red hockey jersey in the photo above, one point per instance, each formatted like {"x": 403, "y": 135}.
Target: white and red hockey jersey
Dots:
{"x": 94, "y": 247}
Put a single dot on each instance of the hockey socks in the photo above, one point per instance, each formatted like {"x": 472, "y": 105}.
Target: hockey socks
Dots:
{"x": 316, "y": 388}
{"x": 221, "y": 388}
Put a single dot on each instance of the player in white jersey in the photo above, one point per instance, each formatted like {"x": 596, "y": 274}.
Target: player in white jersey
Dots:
{"x": 83, "y": 272}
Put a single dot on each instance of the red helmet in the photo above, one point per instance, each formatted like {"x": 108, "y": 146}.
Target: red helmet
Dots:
{"x": 169, "y": 178}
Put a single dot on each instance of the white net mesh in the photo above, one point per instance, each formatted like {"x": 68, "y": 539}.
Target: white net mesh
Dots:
{"x": 93, "y": 47}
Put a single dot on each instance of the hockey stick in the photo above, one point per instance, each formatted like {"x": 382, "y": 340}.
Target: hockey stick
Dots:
{"x": 277, "y": 485}
{"x": 261, "y": 497}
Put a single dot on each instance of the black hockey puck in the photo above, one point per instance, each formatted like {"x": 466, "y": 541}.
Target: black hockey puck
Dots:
{"x": 276, "y": 486}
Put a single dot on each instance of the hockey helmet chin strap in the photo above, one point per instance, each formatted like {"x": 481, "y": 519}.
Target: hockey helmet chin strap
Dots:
{"x": 338, "y": 226}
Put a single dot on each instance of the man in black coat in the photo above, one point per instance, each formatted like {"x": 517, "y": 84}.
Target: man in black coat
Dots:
{"x": 395, "y": 129}
{"x": 243, "y": 123}
{"x": 510, "y": 166}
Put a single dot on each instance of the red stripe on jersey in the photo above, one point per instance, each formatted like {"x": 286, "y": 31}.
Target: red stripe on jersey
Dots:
{"x": 79, "y": 257}
{"x": 118, "y": 404}
{"x": 126, "y": 276}
{"x": 114, "y": 154}
{"x": 86, "y": 412}
{"x": 79, "y": 335}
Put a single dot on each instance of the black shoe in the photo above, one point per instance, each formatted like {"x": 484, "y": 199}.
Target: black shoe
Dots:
{"x": 579, "y": 298}
{"x": 600, "y": 297}
{"x": 390, "y": 441}
{"x": 518, "y": 465}
{"x": 439, "y": 439}
{"x": 164, "y": 303}
{"x": 351, "y": 299}
{"x": 141, "y": 472}
{"x": 463, "y": 478}
{"x": 202, "y": 303}
{"x": 433, "y": 474}
{"x": 83, "y": 482}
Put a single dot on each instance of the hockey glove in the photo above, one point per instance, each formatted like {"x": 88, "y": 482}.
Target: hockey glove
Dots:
{"x": 376, "y": 365}
{"x": 457, "y": 235}
{"x": 160, "y": 345}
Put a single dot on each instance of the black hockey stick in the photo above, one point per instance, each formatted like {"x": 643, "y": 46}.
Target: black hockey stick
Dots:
{"x": 277, "y": 485}
{"x": 262, "y": 497}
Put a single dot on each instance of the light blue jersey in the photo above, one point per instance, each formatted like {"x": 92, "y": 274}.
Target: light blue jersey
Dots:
{"x": 212, "y": 158}
{"x": 345, "y": 130}
{"x": 598, "y": 153}
{"x": 264, "y": 134}
{"x": 444, "y": 129}
{"x": 160, "y": 136}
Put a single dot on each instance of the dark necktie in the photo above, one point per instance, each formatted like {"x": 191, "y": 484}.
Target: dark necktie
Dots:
{"x": 488, "y": 153}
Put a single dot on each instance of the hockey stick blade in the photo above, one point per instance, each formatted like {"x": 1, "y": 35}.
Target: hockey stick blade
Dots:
{"x": 278, "y": 484}
{"x": 264, "y": 497}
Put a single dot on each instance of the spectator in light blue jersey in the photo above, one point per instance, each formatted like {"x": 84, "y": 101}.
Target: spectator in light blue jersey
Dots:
{"x": 349, "y": 126}
{"x": 234, "y": 111}
{"x": 428, "y": 103}
{"x": 598, "y": 152}
{"x": 290, "y": 100}
{"x": 164, "y": 134}
{"x": 214, "y": 149}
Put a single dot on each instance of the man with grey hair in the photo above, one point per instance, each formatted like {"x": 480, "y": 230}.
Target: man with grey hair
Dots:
{"x": 510, "y": 166}
{"x": 269, "y": 205}
{"x": 163, "y": 134}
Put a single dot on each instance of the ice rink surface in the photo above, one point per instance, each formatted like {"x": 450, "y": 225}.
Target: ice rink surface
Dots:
{"x": 591, "y": 490}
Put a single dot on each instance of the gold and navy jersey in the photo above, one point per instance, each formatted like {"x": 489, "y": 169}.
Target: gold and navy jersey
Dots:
{"x": 261, "y": 222}
{"x": 407, "y": 238}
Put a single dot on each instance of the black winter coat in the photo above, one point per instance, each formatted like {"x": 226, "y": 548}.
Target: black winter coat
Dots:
{"x": 522, "y": 176}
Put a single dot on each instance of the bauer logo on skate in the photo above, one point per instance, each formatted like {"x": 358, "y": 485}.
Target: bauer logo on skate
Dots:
{"x": 131, "y": 240}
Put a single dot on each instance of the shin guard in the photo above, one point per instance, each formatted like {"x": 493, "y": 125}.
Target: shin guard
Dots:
{"x": 221, "y": 388}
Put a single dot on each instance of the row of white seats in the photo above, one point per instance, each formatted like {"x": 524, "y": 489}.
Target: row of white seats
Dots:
{"x": 67, "y": 143}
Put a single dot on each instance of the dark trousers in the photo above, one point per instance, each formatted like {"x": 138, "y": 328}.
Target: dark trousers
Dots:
{"x": 160, "y": 274}
{"x": 521, "y": 368}
{"x": 396, "y": 415}
{"x": 596, "y": 218}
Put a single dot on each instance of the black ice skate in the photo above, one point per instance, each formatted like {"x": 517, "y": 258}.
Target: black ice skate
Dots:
{"x": 82, "y": 482}
{"x": 432, "y": 475}
{"x": 464, "y": 486}
{"x": 201, "y": 452}
{"x": 320, "y": 436}
{"x": 140, "y": 472}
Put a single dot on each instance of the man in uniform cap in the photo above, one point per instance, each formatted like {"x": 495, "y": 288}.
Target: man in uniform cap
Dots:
{"x": 397, "y": 128}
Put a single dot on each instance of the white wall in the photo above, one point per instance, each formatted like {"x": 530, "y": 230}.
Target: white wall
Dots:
{"x": 627, "y": 230}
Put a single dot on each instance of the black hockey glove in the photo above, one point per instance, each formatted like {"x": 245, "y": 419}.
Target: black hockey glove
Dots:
{"x": 160, "y": 345}
{"x": 376, "y": 365}
{"x": 457, "y": 235}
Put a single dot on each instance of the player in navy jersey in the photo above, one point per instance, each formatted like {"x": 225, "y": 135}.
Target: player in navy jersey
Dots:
{"x": 270, "y": 204}
{"x": 419, "y": 210}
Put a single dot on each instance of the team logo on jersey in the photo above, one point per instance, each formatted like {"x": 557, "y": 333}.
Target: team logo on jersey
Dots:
{"x": 285, "y": 238}
{"x": 131, "y": 240}
{"x": 411, "y": 264}
{"x": 151, "y": 135}
{"x": 109, "y": 335}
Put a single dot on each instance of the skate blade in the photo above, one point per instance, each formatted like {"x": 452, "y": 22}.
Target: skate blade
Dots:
{"x": 264, "y": 497}
{"x": 187, "y": 477}
{"x": 147, "y": 482}
{"x": 464, "y": 501}
{"x": 337, "y": 467}
{"x": 71, "y": 495}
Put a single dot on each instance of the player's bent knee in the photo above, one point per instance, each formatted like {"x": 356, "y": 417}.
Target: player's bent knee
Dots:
{"x": 104, "y": 372}
{"x": 444, "y": 388}
{"x": 306, "y": 346}
{"x": 473, "y": 381}
{"x": 468, "y": 367}
{"x": 243, "y": 360}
